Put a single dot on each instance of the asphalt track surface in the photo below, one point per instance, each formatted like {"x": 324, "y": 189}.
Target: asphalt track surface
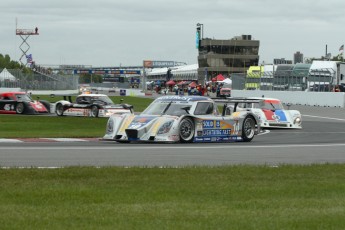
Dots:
{"x": 322, "y": 140}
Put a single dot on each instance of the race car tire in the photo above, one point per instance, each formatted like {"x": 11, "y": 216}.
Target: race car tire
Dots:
{"x": 94, "y": 111}
{"x": 20, "y": 108}
{"x": 59, "y": 109}
{"x": 248, "y": 129}
{"x": 186, "y": 130}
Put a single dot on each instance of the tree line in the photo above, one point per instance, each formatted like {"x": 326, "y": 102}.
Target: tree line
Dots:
{"x": 6, "y": 62}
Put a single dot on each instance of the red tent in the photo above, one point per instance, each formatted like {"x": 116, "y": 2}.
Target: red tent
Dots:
{"x": 192, "y": 84}
{"x": 219, "y": 77}
{"x": 181, "y": 83}
{"x": 171, "y": 82}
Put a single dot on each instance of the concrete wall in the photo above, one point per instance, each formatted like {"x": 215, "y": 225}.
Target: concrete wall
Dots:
{"x": 2, "y": 90}
{"x": 330, "y": 99}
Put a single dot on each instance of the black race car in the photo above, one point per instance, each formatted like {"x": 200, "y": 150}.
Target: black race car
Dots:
{"x": 22, "y": 103}
{"x": 91, "y": 105}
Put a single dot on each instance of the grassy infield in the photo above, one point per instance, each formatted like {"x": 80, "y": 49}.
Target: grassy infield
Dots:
{"x": 228, "y": 197}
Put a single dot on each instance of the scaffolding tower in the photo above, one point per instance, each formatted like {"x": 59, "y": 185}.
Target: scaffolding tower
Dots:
{"x": 24, "y": 46}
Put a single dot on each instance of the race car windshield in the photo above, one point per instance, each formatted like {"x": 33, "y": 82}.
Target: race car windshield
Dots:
{"x": 272, "y": 105}
{"x": 103, "y": 100}
{"x": 174, "y": 109}
{"x": 23, "y": 97}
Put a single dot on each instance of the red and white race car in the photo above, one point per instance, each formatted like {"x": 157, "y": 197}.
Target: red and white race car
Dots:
{"x": 21, "y": 103}
{"x": 272, "y": 114}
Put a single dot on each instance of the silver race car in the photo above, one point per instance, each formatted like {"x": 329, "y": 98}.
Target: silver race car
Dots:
{"x": 183, "y": 119}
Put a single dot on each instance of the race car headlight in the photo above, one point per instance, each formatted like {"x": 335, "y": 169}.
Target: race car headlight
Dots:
{"x": 165, "y": 127}
{"x": 297, "y": 121}
{"x": 110, "y": 126}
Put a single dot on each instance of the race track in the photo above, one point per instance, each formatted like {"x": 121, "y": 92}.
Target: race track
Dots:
{"x": 322, "y": 140}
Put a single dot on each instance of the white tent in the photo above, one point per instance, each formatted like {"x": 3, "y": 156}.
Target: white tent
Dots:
{"x": 227, "y": 81}
{"x": 5, "y": 75}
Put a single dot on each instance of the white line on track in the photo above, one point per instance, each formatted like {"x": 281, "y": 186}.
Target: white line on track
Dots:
{"x": 64, "y": 139}
{"x": 10, "y": 140}
{"x": 329, "y": 118}
{"x": 161, "y": 147}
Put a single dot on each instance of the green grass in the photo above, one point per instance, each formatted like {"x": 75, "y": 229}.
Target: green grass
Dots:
{"x": 24, "y": 126}
{"x": 229, "y": 197}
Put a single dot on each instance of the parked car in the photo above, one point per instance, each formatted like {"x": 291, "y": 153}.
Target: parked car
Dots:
{"x": 22, "y": 103}
{"x": 183, "y": 119}
{"x": 272, "y": 113}
{"x": 91, "y": 105}
{"x": 225, "y": 92}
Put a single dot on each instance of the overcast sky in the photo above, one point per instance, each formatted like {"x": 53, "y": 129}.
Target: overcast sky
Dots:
{"x": 126, "y": 32}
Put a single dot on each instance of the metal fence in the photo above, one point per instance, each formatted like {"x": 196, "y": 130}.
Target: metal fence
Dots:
{"x": 37, "y": 81}
{"x": 319, "y": 80}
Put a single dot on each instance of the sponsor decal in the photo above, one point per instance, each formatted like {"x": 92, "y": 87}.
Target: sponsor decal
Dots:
{"x": 217, "y": 139}
{"x": 139, "y": 121}
{"x": 216, "y": 132}
{"x": 8, "y": 107}
{"x": 215, "y": 128}
{"x": 210, "y": 124}
{"x": 174, "y": 98}
{"x": 37, "y": 106}
{"x": 276, "y": 116}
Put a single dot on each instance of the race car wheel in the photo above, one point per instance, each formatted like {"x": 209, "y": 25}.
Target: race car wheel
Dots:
{"x": 248, "y": 129}
{"x": 94, "y": 111}
{"x": 59, "y": 110}
{"x": 186, "y": 130}
{"x": 20, "y": 108}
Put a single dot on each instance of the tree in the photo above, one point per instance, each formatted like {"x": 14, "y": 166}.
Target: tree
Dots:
{"x": 6, "y": 62}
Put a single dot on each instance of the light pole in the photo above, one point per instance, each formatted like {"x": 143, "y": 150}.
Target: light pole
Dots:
{"x": 202, "y": 29}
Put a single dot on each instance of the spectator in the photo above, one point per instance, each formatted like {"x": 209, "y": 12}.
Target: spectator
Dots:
{"x": 336, "y": 88}
{"x": 36, "y": 30}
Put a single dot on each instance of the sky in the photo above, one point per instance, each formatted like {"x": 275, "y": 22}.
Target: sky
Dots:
{"x": 126, "y": 32}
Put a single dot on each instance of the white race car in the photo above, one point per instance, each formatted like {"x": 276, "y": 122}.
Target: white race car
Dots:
{"x": 271, "y": 113}
{"x": 183, "y": 119}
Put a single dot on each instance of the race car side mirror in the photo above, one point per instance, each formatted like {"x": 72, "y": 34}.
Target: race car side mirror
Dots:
{"x": 127, "y": 106}
{"x": 187, "y": 108}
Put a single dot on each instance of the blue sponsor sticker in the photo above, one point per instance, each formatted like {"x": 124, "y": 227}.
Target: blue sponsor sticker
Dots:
{"x": 280, "y": 115}
{"x": 207, "y": 124}
{"x": 216, "y": 132}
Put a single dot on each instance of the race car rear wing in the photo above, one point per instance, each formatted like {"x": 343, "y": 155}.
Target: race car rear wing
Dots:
{"x": 238, "y": 100}
{"x": 235, "y": 101}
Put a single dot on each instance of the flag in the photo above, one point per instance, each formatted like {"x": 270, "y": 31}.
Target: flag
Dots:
{"x": 29, "y": 58}
{"x": 341, "y": 49}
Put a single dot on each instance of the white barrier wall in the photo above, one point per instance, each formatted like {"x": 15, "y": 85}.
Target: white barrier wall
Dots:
{"x": 56, "y": 92}
{"x": 3, "y": 90}
{"x": 331, "y": 99}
